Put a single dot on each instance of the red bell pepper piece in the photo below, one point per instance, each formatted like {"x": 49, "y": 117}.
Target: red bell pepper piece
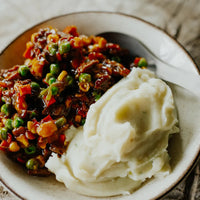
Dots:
{"x": 20, "y": 160}
{"x": 2, "y": 148}
{"x": 49, "y": 102}
{"x": 75, "y": 63}
{"x": 20, "y": 103}
{"x": 9, "y": 139}
{"x": 29, "y": 135}
{"x": 62, "y": 139}
{"x": 25, "y": 89}
{"x": 4, "y": 144}
{"x": 46, "y": 119}
{"x": 96, "y": 55}
{"x": 58, "y": 56}
{"x": 136, "y": 60}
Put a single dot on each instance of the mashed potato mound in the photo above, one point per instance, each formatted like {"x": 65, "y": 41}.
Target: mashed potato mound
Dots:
{"x": 124, "y": 140}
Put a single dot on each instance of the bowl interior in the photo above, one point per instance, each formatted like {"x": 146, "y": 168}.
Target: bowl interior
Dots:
{"x": 183, "y": 147}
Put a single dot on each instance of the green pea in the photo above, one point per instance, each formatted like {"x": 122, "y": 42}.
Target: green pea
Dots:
{"x": 30, "y": 150}
{"x": 32, "y": 164}
{"x": 54, "y": 69}
{"x": 23, "y": 70}
{"x": 4, "y": 133}
{"x": 84, "y": 77}
{"x": 54, "y": 90}
{"x": 52, "y": 80}
{"x": 60, "y": 122}
{"x": 17, "y": 122}
{"x": 82, "y": 121}
{"x": 142, "y": 62}
{"x": 5, "y": 109}
{"x": 53, "y": 47}
{"x": 64, "y": 47}
{"x": 35, "y": 86}
{"x": 69, "y": 80}
{"x": 3, "y": 99}
{"x": 96, "y": 95}
{"x": 8, "y": 124}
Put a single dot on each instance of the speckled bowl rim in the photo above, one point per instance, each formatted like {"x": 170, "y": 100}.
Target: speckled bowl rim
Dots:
{"x": 189, "y": 169}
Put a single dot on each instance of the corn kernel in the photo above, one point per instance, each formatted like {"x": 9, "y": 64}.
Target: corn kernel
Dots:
{"x": 52, "y": 38}
{"x": 34, "y": 36}
{"x": 23, "y": 140}
{"x": 42, "y": 145}
{"x": 62, "y": 75}
{"x": 102, "y": 42}
{"x": 41, "y": 160}
{"x": 31, "y": 127}
{"x": 78, "y": 42}
{"x": 14, "y": 147}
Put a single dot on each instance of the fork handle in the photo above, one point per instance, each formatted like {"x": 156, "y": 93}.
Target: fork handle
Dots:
{"x": 180, "y": 77}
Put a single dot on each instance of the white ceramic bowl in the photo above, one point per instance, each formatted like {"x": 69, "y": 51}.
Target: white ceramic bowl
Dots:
{"x": 183, "y": 148}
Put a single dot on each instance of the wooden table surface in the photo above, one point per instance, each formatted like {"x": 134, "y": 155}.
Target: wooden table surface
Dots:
{"x": 180, "y": 18}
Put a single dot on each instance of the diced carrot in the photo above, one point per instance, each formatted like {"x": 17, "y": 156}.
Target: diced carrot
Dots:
{"x": 3, "y": 84}
{"x": 37, "y": 68}
{"x": 42, "y": 145}
{"x": 29, "y": 47}
{"x": 42, "y": 142}
{"x": 71, "y": 30}
{"x": 46, "y": 129}
{"x": 78, "y": 118}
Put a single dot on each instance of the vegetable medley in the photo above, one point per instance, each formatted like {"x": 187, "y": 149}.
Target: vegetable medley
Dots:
{"x": 62, "y": 75}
